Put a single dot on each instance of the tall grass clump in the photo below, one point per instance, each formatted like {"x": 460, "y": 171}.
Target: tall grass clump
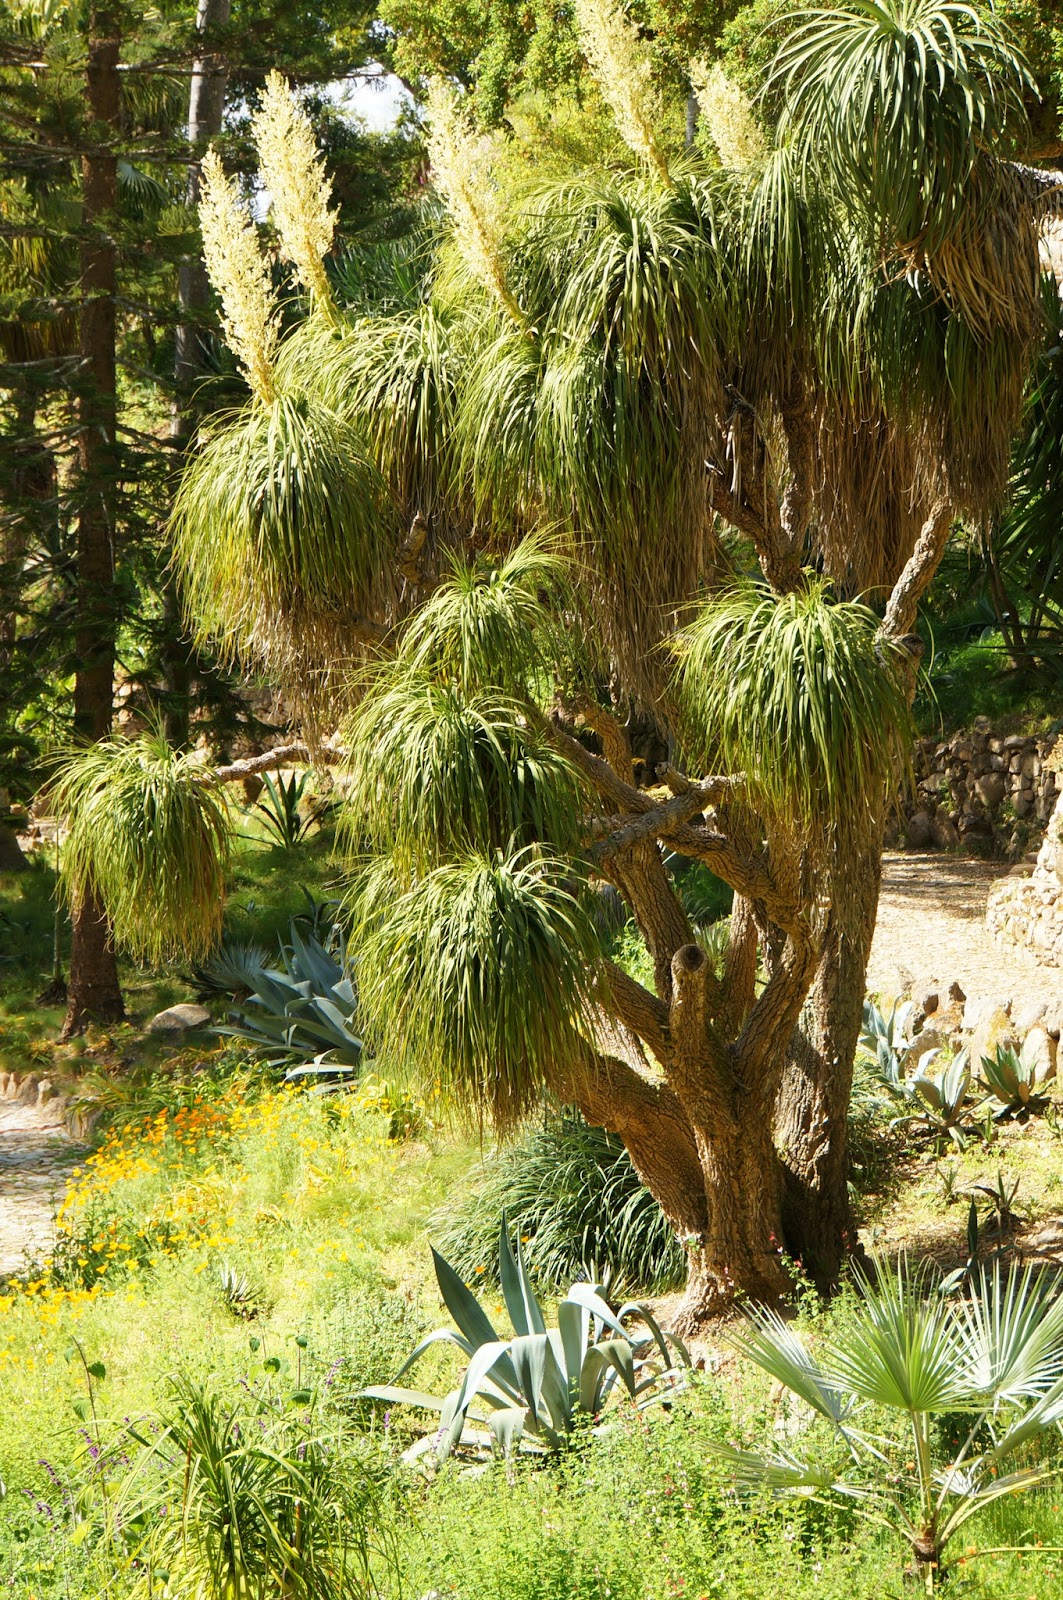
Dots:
{"x": 576, "y": 1201}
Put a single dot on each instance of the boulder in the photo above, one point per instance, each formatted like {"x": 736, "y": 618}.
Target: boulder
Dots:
{"x": 919, "y": 830}
{"x": 180, "y": 1019}
{"x": 991, "y": 789}
{"x": 993, "y": 1030}
{"x": 1040, "y": 1045}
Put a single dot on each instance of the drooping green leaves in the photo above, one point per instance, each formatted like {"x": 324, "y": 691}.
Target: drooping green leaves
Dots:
{"x": 477, "y": 973}
{"x": 149, "y": 834}
{"x": 899, "y": 98}
{"x": 277, "y": 525}
{"x": 799, "y": 693}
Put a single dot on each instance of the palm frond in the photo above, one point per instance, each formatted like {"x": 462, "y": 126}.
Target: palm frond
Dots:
{"x": 151, "y": 837}
{"x": 475, "y": 975}
{"x": 800, "y": 694}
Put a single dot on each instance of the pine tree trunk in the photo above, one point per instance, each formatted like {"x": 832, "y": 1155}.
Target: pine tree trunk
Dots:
{"x": 94, "y": 990}
{"x": 206, "y": 106}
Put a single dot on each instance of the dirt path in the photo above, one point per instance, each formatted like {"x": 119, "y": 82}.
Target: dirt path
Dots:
{"x": 931, "y": 925}
{"x": 36, "y": 1158}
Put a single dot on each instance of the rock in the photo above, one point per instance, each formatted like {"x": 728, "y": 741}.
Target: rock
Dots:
{"x": 981, "y": 1006}
{"x": 995, "y": 1029}
{"x": 26, "y": 1093}
{"x": 991, "y": 789}
{"x": 929, "y": 1003}
{"x": 1042, "y": 1048}
{"x": 956, "y": 995}
{"x": 919, "y": 830}
{"x": 46, "y": 1091}
{"x": 180, "y": 1019}
{"x": 1027, "y": 1014}
{"x": 944, "y": 833}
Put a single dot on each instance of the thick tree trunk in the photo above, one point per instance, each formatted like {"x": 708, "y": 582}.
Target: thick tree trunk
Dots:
{"x": 740, "y": 1253}
{"x": 94, "y": 990}
{"x": 206, "y": 107}
{"x": 812, "y": 1119}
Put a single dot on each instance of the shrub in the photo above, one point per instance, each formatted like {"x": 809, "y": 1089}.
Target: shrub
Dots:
{"x": 579, "y": 1207}
{"x": 994, "y": 1360}
{"x": 542, "y": 1384}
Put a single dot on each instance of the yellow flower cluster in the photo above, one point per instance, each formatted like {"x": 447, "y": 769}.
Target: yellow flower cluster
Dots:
{"x": 293, "y": 171}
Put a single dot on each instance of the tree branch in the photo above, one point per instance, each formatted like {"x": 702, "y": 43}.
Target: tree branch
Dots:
{"x": 639, "y": 1010}
{"x": 919, "y": 569}
{"x": 271, "y": 760}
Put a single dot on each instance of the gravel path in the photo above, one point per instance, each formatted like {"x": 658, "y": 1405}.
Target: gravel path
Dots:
{"x": 36, "y": 1158}
{"x": 931, "y": 925}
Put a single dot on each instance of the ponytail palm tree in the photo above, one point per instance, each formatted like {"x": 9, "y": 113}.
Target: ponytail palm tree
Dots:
{"x": 619, "y": 365}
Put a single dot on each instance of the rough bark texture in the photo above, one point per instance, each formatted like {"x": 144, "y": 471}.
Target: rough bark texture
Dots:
{"x": 206, "y": 106}
{"x": 94, "y": 990}
{"x": 811, "y": 1129}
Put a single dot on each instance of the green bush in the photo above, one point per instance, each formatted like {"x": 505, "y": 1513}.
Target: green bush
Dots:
{"x": 579, "y": 1207}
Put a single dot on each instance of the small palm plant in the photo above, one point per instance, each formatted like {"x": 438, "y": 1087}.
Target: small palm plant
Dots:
{"x": 543, "y": 1383}
{"x": 916, "y": 1353}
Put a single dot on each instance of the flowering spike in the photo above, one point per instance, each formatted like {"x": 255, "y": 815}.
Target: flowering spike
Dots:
{"x": 622, "y": 71}
{"x": 293, "y": 170}
{"x": 239, "y": 272}
{"x": 460, "y": 167}
{"x": 728, "y": 115}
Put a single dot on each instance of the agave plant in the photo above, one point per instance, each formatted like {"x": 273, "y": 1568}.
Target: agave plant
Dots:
{"x": 996, "y": 1357}
{"x": 943, "y": 1093}
{"x": 279, "y": 808}
{"x": 1016, "y": 1077}
{"x": 888, "y": 1039}
{"x": 299, "y": 1014}
{"x": 543, "y": 1383}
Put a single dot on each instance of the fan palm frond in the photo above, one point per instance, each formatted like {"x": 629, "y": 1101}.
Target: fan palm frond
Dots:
{"x": 150, "y": 836}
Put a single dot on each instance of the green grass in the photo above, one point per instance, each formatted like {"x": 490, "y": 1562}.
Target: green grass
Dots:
{"x": 266, "y": 886}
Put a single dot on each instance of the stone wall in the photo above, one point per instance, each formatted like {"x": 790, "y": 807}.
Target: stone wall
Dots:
{"x": 982, "y": 790}
{"x": 1028, "y": 911}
